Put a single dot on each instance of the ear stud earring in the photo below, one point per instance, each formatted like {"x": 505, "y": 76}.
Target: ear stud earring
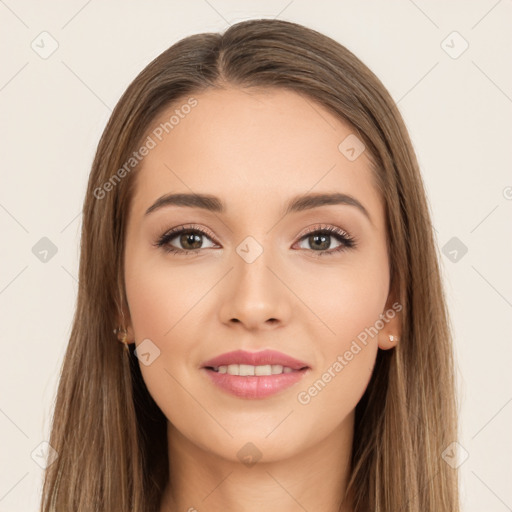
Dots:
{"x": 122, "y": 337}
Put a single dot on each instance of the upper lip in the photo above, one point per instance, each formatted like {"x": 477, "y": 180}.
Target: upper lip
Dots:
{"x": 265, "y": 357}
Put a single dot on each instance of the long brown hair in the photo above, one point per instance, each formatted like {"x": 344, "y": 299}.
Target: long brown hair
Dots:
{"x": 110, "y": 435}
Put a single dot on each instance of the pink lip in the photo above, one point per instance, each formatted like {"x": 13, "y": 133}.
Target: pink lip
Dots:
{"x": 251, "y": 386}
{"x": 255, "y": 359}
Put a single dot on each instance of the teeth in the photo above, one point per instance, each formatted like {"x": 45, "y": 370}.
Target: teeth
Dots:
{"x": 244, "y": 370}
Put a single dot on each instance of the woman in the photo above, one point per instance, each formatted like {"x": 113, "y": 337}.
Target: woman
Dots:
{"x": 256, "y": 234}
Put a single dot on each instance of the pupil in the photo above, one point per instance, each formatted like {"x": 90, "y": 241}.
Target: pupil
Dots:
{"x": 324, "y": 239}
{"x": 189, "y": 238}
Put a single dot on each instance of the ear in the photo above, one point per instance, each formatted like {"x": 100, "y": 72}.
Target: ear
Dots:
{"x": 390, "y": 334}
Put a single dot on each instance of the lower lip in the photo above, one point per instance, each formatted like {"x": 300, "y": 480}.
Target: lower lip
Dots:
{"x": 255, "y": 386}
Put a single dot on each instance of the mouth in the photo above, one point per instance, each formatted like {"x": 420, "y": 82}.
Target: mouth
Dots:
{"x": 254, "y": 375}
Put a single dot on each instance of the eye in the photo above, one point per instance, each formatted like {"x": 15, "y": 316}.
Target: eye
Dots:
{"x": 190, "y": 240}
{"x": 189, "y": 237}
{"x": 320, "y": 240}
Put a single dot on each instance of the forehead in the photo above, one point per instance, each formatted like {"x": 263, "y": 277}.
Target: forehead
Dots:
{"x": 252, "y": 147}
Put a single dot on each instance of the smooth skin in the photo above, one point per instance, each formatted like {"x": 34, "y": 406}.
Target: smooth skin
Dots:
{"x": 255, "y": 149}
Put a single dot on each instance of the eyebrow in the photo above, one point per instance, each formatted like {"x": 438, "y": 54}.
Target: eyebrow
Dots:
{"x": 295, "y": 204}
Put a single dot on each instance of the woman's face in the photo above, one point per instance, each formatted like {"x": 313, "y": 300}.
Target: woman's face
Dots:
{"x": 260, "y": 277}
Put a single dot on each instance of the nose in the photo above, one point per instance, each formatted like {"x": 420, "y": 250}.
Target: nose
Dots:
{"x": 255, "y": 294}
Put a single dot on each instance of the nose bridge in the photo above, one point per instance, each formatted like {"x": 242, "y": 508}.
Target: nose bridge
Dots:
{"x": 256, "y": 295}
{"x": 251, "y": 266}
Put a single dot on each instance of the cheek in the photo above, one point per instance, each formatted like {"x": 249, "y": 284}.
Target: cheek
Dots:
{"x": 349, "y": 304}
{"x": 166, "y": 304}
{"x": 331, "y": 396}
{"x": 162, "y": 297}
{"x": 343, "y": 298}
{"x": 347, "y": 300}
{"x": 163, "y": 302}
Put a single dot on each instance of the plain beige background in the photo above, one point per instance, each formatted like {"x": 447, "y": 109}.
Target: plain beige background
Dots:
{"x": 65, "y": 65}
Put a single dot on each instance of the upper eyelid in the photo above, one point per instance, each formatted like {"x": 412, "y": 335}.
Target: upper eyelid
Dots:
{"x": 188, "y": 227}
{"x": 335, "y": 230}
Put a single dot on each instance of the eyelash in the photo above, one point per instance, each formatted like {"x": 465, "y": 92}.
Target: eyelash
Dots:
{"x": 347, "y": 241}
